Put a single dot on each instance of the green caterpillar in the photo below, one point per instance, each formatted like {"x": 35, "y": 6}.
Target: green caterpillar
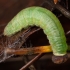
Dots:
{"x": 45, "y": 19}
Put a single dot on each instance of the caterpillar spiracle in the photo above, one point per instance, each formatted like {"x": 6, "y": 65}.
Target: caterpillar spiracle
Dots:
{"x": 41, "y": 17}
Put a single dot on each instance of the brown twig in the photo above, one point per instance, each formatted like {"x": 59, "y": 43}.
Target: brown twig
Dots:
{"x": 27, "y": 51}
{"x": 32, "y": 61}
{"x": 22, "y": 38}
{"x": 64, "y": 11}
{"x": 57, "y": 6}
{"x": 31, "y": 67}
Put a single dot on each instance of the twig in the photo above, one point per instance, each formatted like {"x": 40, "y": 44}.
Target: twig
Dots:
{"x": 27, "y": 51}
{"x": 64, "y": 11}
{"x": 32, "y": 61}
{"x": 22, "y": 38}
{"x": 31, "y": 67}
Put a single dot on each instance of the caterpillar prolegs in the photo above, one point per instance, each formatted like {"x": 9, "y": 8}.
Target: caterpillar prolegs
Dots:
{"x": 45, "y": 19}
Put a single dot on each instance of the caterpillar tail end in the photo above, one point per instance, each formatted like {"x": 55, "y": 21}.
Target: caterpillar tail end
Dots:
{"x": 59, "y": 59}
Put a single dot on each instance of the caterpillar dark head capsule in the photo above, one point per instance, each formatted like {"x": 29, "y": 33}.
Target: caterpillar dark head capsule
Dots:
{"x": 59, "y": 59}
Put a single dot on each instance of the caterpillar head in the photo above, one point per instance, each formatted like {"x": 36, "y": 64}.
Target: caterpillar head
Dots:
{"x": 59, "y": 59}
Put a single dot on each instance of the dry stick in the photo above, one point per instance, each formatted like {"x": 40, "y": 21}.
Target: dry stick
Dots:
{"x": 24, "y": 36}
{"x": 33, "y": 50}
{"x": 21, "y": 37}
{"x": 32, "y": 61}
{"x": 64, "y": 11}
{"x": 26, "y": 51}
{"x": 31, "y": 67}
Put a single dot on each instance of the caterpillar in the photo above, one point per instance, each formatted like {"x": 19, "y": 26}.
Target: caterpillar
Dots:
{"x": 43, "y": 18}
